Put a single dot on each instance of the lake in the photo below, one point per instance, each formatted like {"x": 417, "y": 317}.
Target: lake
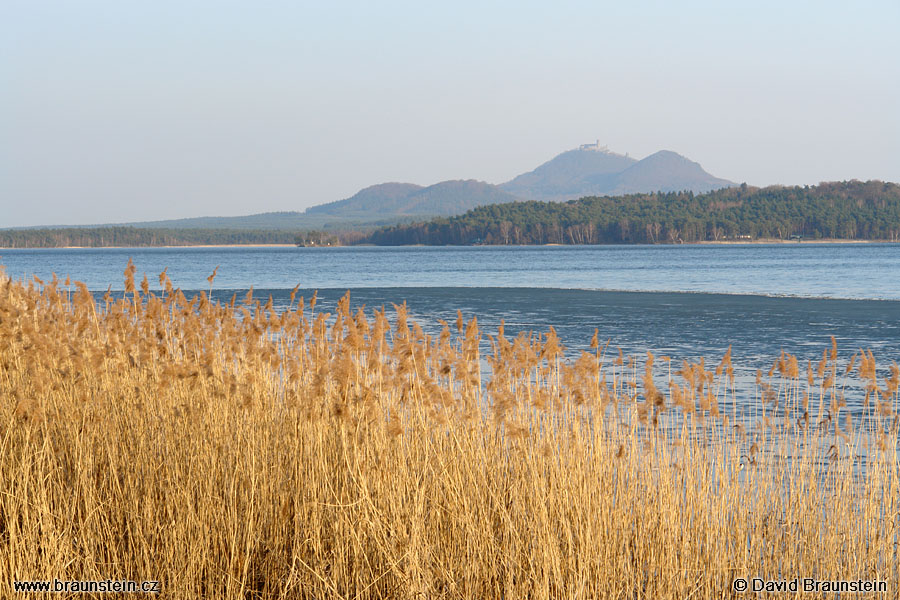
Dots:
{"x": 858, "y": 271}
{"x": 682, "y": 301}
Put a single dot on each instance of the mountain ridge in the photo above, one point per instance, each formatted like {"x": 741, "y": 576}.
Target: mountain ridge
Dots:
{"x": 589, "y": 170}
{"x": 592, "y": 170}
{"x": 444, "y": 198}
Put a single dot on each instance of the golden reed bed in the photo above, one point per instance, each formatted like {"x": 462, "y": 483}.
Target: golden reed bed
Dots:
{"x": 232, "y": 451}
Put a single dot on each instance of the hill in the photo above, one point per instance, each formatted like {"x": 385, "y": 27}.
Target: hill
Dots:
{"x": 665, "y": 171}
{"x": 406, "y": 199}
{"x": 579, "y": 172}
{"x": 368, "y": 200}
{"x": 592, "y": 170}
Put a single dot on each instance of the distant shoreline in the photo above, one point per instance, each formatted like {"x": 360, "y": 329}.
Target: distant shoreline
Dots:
{"x": 760, "y": 241}
{"x": 780, "y": 241}
{"x": 142, "y": 247}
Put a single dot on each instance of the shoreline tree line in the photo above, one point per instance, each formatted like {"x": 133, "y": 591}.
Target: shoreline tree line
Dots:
{"x": 845, "y": 210}
{"x": 126, "y": 236}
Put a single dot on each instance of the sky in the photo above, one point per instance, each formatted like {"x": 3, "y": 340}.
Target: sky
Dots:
{"x": 116, "y": 111}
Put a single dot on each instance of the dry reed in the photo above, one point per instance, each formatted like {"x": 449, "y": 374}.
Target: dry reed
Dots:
{"x": 234, "y": 451}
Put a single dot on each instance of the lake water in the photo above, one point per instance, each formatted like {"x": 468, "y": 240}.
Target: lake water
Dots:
{"x": 683, "y": 301}
{"x": 859, "y": 271}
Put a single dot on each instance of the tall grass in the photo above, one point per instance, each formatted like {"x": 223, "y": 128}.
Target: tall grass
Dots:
{"x": 236, "y": 451}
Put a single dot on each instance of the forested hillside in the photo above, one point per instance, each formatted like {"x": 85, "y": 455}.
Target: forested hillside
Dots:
{"x": 846, "y": 210}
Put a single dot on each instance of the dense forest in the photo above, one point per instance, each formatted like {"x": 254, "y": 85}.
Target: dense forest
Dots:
{"x": 132, "y": 236}
{"x": 846, "y": 210}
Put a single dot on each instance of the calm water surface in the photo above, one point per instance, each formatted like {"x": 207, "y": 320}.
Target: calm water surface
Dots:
{"x": 860, "y": 271}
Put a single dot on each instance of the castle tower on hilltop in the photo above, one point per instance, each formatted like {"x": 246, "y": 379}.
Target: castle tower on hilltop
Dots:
{"x": 594, "y": 147}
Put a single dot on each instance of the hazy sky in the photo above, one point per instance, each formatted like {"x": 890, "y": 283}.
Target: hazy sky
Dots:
{"x": 124, "y": 110}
